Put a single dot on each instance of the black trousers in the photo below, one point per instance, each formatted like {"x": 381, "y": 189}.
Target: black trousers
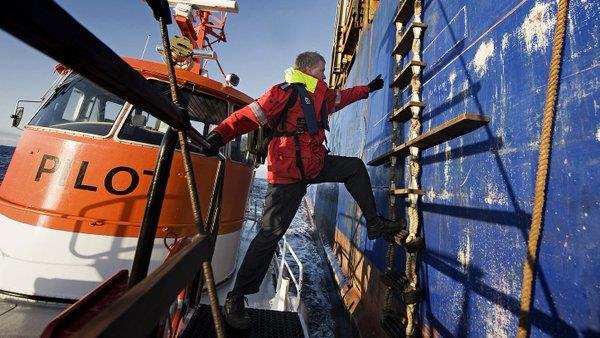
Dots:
{"x": 282, "y": 202}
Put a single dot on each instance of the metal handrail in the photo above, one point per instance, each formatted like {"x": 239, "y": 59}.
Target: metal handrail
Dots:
{"x": 285, "y": 247}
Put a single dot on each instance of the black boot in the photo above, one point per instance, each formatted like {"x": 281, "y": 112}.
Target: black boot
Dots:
{"x": 235, "y": 312}
{"x": 385, "y": 227}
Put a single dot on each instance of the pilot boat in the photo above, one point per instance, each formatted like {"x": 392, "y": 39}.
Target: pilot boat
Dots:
{"x": 75, "y": 190}
{"x": 75, "y": 196}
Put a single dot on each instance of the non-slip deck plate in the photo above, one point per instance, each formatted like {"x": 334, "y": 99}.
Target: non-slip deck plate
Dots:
{"x": 263, "y": 323}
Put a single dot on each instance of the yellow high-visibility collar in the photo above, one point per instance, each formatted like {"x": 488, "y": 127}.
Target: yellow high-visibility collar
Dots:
{"x": 293, "y": 75}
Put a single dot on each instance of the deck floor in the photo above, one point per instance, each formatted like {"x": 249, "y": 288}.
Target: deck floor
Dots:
{"x": 264, "y": 323}
{"x": 21, "y": 318}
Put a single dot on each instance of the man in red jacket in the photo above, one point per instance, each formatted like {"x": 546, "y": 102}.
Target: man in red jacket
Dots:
{"x": 297, "y": 110}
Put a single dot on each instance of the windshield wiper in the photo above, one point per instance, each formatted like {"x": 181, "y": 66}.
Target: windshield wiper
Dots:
{"x": 58, "y": 90}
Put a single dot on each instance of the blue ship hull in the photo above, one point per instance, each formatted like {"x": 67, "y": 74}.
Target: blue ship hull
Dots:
{"x": 489, "y": 58}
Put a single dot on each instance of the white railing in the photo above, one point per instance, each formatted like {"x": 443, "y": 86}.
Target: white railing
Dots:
{"x": 281, "y": 302}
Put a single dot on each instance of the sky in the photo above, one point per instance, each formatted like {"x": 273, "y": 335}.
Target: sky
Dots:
{"x": 263, "y": 40}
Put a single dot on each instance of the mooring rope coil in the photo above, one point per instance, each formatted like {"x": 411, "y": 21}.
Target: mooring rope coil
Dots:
{"x": 542, "y": 171}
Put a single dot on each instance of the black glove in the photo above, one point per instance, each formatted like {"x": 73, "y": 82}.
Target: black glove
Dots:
{"x": 215, "y": 141}
{"x": 376, "y": 84}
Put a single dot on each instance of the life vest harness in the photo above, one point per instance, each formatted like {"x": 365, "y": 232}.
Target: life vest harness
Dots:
{"x": 308, "y": 123}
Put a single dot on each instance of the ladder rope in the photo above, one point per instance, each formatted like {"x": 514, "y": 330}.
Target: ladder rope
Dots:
{"x": 414, "y": 169}
{"x": 390, "y": 251}
{"x": 542, "y": 171}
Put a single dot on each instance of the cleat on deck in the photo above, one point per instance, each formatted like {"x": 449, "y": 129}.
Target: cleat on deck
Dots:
{"x": 385, "y": 227}
{"x": 235, "y": 312}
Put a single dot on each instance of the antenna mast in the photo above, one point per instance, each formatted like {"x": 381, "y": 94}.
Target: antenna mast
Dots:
{"x": 202, "y": 27}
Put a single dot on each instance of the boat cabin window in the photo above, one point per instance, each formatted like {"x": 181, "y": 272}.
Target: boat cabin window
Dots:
{"x": 239, "y": 148}
{"x": 77, "y": 104}
{"x": 205, "y": 113}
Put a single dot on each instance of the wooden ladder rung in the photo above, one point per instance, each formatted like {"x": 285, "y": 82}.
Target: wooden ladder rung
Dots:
{"x": 404, "y": 113}
{"x": 405, "y": 11}
{"x": 458, "y": 126}
{"x": 405, "y": 43}
{"x": 406, "y": 191}
{"x": 403, "y": 79}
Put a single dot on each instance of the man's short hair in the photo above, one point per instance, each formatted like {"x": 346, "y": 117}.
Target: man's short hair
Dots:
{"x": 308, "y": 60}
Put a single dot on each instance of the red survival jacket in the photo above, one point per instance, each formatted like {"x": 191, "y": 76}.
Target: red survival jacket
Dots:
{"x": 281, "y": 156}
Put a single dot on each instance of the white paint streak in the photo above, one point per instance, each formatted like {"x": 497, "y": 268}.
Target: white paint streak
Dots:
{"x": 447, "y": 153}
{"x": 534, "y": 145}
{"x": 498, "y": 317}
{"x": 494, "y": 196}
{"x": 536, "y": 29}
{"x": 431, "y": 194}
{"x": 598, "y": 133}
{"x": 465, "y": 92}
{"x": 484, "y": 53}
{"x": 466, "y": 178}
{"x": 451, "y": 79}
{"x": 504, "y": 41}
{"x": 465, "y": 251}
{"x": 445, "y": 194}
{"x": 506, "y": 150}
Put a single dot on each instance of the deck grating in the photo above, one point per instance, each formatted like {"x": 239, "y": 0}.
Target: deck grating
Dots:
{"x": 263, "y": 323}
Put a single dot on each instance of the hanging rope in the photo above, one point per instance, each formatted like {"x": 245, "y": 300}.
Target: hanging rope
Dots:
{"x": 542, "y": 171}
{"x": 414, "y": 165}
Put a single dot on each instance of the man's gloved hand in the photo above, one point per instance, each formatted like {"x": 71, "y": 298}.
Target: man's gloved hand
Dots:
{"x": 376, "y": 84}
{"x": 215, "y": 141}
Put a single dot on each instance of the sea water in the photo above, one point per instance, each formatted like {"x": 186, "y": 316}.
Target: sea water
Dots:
{"x": 299, "y": 236}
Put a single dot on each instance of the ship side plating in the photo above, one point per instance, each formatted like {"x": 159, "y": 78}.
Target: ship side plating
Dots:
{"x": 492, "y": 59}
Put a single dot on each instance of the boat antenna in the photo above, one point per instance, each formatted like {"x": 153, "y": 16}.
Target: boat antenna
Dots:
{"x": 145, "y": 46}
